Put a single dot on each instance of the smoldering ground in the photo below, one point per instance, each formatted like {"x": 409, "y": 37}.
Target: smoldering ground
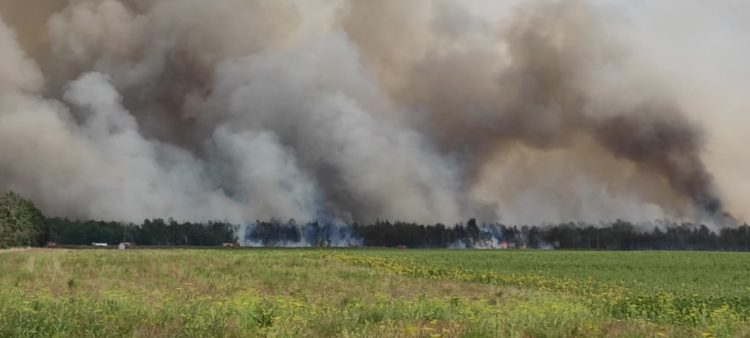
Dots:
{"x": 427, "y": 111}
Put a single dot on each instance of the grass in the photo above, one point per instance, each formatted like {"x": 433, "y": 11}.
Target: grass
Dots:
{"x": 371, "y": 293}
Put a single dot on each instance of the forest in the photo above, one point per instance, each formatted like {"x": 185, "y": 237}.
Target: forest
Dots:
{"x": 617, "y": 235}
{"x": 22, "y": 224}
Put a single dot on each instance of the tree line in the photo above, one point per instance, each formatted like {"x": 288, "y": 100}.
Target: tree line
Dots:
{"x": 22, "y": 224}
{"x": 617, "y": 235}
{"x": 151, "y": 232}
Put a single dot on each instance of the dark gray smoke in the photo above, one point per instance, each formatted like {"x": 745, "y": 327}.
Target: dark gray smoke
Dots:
{"x": 428, "y": 111}
{"x": 540, "y": 97}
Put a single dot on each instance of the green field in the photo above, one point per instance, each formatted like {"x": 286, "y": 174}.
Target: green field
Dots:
{"x": 384, "y": 293}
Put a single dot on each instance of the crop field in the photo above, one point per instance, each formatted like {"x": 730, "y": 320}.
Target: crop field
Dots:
{"x": 372, "y": 293}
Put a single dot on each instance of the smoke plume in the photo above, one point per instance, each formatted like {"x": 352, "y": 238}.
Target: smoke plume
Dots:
{"x": 428, "y": 111}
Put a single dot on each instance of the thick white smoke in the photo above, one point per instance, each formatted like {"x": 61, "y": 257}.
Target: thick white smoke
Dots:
{"x": 428, "y": 111}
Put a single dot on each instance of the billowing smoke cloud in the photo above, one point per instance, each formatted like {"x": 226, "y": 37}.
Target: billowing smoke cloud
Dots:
{"x": 427, "y": 111}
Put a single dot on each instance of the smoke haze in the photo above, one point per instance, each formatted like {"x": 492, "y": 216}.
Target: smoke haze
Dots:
{"x": 425, "y": 111}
